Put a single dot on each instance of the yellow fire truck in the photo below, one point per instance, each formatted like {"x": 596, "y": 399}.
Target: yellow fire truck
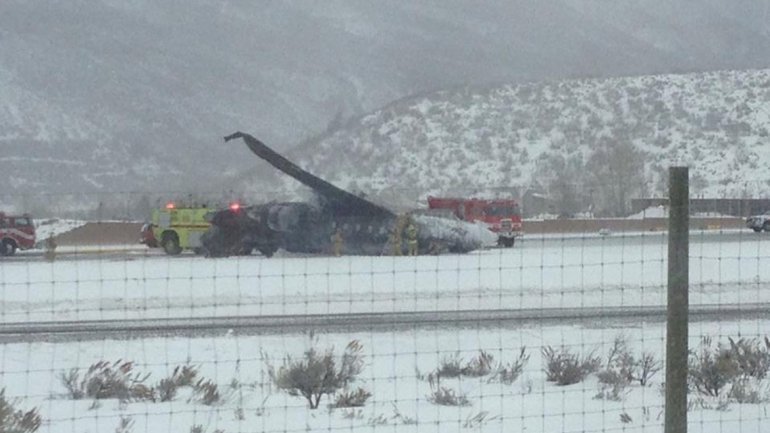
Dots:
{"x": 176, "y": 229}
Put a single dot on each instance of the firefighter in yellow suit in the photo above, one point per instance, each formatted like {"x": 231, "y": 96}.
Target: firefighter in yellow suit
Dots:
{"x": 395, "y": 242}
{"x": 337, "y": 242}
{"x": 411, "y": 239}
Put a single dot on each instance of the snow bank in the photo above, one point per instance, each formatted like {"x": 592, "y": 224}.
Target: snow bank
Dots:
{"x": 46, "y": 228}
{"x": 650, "y": 212}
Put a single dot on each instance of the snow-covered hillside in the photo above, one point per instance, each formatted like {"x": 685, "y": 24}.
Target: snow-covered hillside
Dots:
{"x": 114, "y": 95}
{"x": 543, "y": 135}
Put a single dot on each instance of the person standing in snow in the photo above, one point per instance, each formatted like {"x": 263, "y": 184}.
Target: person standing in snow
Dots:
{"x": 50, "y": 249}
{"x": 395, "y": 242}
{"x": 337, "y": 242}
{"x": 411, "y": 238}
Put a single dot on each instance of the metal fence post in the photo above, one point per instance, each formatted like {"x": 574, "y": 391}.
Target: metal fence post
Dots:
{"x": 678, "y": 282}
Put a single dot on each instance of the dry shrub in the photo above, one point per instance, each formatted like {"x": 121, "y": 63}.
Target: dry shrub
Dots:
{"x": 566, "y": 368}
{"x": 188, "y": 375}
{"x": 748, "y": 390}
{"x": 318, "y": 373}
{"x": 167, "y": 389}
{"x": 445, "y": 396}
{"x": 752, "y": 358}
{"x": 355, "y": 398}
{"x": 712, "y": 368}
{"x": 451, "y": 366}
{"x": 508, "y": 373}
{"x": 185, "y": 375}
{"x": 104, "y": 380}
{"x": 646, "y": 368}
{"x": 733, "y": 372}
{"x": 206, "y": 392}
{"x": 481, "y": 365}
{"x": 14, "y": 420}
{"x": 612, "y": 385}
{"x": 199, "y": 429}
{"x": 125, "y": 425}
{"x": 479, "y": 420}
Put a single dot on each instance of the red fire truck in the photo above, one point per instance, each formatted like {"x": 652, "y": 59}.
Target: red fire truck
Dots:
{"x": 16, "y": 232}
{"x": 501, "y": 215}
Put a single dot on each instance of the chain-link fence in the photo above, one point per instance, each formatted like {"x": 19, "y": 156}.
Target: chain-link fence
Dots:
{"x": 563, "y": 332}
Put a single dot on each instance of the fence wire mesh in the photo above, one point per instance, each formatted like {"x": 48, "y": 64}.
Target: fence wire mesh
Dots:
{"x": 564, "y": 332}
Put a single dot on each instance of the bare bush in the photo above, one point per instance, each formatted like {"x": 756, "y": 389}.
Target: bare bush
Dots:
{"x": 206, "y": 392}
{"x": 446, "y": 396}
{"x": 355, "y": 398}
{"x": 125, "y": 425}
{"x": 185, "y": 375}
{"x": 14, "y": 420}
{"x": 451, "y": 366}
{"x": 508, "y": 373}
{"x": 317, "y": 374}
{"x": 104, "y": 380}
{"x": 481, "y": 365}
{"x": 478, "y": 420}
{"x": 712, "y": 368}
{"x": 752, "y": 358}
{"x": 199, "y": 429}
{"x": 167, "y": 389}
{"x": 182, "y": 376}
{"x": 566, "y": 368}
{"x": 612, "y": 385}
{"x": 627, "y": 367}
{"x": 646, "y": 368}
{"x": 747, "y": 390}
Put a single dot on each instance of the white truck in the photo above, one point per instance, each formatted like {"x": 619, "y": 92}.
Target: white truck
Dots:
{"x": 759, "y": 222}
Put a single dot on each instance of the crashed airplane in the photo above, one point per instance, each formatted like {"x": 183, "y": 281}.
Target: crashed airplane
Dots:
{"x": 302, "y": 227}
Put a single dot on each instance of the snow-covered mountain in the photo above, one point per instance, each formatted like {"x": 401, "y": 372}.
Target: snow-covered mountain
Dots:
{"x": 135, "y": 95}
{"x": 574, "y": 137}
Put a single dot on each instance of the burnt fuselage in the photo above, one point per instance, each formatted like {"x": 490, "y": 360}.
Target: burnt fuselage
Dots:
{"x": 295, "y": 227}
{"x": 337, "y": 217}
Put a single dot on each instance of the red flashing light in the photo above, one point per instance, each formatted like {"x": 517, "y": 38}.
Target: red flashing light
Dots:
{"x": 170, "y": 205}
{"x": 235, "y": 207}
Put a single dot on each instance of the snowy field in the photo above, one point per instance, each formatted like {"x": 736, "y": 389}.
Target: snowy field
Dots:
{"x": 545, "y": 272}
{"x": 395, "y": 366}
{"x": 617, "y": 270}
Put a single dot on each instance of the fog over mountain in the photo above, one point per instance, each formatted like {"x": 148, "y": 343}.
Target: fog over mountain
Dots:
{"x": 135, "y": 95}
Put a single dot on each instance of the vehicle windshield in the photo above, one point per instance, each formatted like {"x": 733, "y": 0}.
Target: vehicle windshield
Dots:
{"x": 503, "y": 211}
{"x": 23, "y": 222}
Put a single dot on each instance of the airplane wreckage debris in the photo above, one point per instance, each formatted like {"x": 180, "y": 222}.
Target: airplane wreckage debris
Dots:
{"x": 366, "y": 228}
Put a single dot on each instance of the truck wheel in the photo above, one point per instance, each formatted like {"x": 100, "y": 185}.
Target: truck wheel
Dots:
{"x": 171, "y": 244}
{"x": 766, "y": 226}
{"x": 267, "y": 250}
{"x": 508, "y": 243}
{"x": 757, "y": 229}
{"x": 8, "y": 247}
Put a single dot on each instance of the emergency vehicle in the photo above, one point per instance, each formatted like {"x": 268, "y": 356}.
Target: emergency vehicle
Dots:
{"x": 17, "y": 232}
{"x": 502, "y": 216}
{"x": 176, "y": 228}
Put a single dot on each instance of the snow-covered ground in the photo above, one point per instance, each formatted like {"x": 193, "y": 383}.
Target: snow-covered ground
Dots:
{"x": 616, "y": 270}
{"x": 395, "y": 365}
{"x": 539, "y": 272}
{"x": 45, "y": 228}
